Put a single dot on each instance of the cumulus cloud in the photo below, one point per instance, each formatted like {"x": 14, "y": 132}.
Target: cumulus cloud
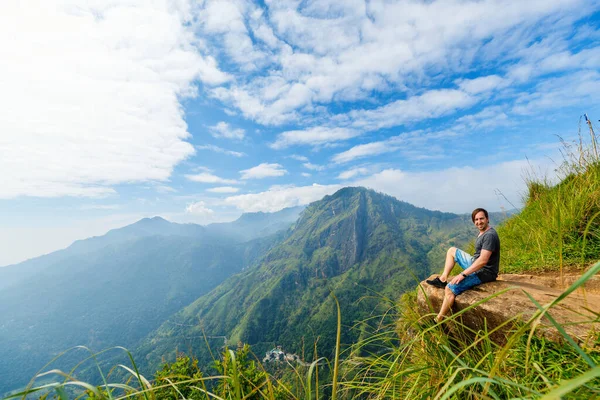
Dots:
{"x": 198, "y": 208}
{"x": 374, "y": 47}
{"x": 93, "y": 98}
{"x": 313, "y": 136}
{"x": 279, "y": 197}
{"x": 221, "y": 150}
{"x": 224, "y": 130}
{"x": 351, "y": 173}
{"x": 264, "y": 170}
{"x": 207, "y": 177}
{"x": 456, "y": 189}
{"x": 223, "y": 189}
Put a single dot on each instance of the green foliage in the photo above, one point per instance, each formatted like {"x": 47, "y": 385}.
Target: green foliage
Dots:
{"x": 560, "y": 224}
{"x": 245, "y": 378}
{"x": 180, "y": 379}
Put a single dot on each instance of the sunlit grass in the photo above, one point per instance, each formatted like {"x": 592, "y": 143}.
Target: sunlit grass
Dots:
{"x": 559, "y": 227}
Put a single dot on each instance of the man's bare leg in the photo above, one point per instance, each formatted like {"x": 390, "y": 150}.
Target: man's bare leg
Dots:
{"x": 446, "y": 305}
{"x": 450, "y": 261}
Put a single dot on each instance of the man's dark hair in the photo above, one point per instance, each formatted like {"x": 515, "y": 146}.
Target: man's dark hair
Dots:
{"x": 477, "y": 210}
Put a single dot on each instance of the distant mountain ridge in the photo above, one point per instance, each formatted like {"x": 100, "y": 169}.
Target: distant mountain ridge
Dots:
{"x": 247, "y": 227}
{"x": 115, "y": 289}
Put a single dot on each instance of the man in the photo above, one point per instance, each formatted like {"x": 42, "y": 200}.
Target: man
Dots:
{"x": 480, "y": 268}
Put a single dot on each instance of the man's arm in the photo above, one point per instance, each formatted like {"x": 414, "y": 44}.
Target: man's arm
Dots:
{"x": 481, "y": 261}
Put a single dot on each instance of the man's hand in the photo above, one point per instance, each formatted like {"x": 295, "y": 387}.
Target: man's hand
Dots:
{"x": 457, "y": 279}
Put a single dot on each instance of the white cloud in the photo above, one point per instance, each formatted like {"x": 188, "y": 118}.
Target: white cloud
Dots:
{"x": 305, "y": 174}
{"x": 313, "y": 167}
{"x": 206, "y": 177}
{"x": 351, "y": 173}
{"x": 277, "y": 198}
{"x": 299, "y": 158}
{"x": 93, "y": 98}
{"x": 164, "y": 189}
{"x": 431, "y": 104}
{"x": 566, "y": 91}
{"x": 456, "y": 189}
{"x": 224, "y": 130}
{"x": 223, "y": 189}
{"x": 482, "y": 84}
{"x": 374, "y": 47}
{"x": 263, "y": 170}
{"x": 226, "y": 19}
{"x": 313, "y": 136}
{"x": 221, "y": 150}
{"x": 198, "y": 208}
{"x": 363, "y": 150}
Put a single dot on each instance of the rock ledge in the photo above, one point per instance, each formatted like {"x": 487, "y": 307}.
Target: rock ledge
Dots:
{"x": 574, "y": 313}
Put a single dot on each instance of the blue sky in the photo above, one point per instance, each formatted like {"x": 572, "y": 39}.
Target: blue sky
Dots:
{"x": 199, "y": 111}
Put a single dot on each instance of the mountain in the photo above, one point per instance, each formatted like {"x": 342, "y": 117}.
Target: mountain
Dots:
{"x": 258, "y": 224}
{"x": 357, "y": 243}
{"x": 115, "y": 289}
{"x": 247, "y": 227}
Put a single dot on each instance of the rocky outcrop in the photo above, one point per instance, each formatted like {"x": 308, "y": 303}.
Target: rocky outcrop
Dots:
{"x": 574, "y": 313}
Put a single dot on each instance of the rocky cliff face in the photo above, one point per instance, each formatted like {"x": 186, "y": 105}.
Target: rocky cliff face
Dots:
{"x": 574, "y": 313}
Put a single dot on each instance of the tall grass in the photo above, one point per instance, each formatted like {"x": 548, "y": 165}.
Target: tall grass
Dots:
{"x": 449, "y": 360}
{"x": 240, "y": 377}
{"x": 559, "y": 226}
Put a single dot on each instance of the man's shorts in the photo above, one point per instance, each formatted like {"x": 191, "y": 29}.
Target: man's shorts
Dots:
{"x": 464, "y": 260}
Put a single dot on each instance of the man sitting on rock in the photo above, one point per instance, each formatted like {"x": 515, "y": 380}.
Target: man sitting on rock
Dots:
{"x": 480, "y": 268}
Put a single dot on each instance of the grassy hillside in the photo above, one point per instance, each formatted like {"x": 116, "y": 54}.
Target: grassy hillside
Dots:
{"x": 559, "y": 227}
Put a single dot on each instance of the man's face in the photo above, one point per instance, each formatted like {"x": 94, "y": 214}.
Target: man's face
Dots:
{"x": 481, "y": 222}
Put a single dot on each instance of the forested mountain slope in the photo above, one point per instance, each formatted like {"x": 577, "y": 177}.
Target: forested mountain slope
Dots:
{"x": 115, "y": 289}
{"x": 355, "y": 243}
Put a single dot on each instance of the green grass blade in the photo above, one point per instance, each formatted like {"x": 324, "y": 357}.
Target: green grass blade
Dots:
{"x": 467, "y": 382}
{"x": 594, "y": 269}
{"x": 62, "y": 395}
{"x": 337, "y": 349}
{"x": 309, "y": 375}
{"x": 87, "y": 386}
{"x": 30, "y": 390}
{"x": 572, "y": 384}
{"x": 145, "y": 384}
{"x": 562, "y": 331}
{"x": 236, "y": 378}
{"x": 135, "y": 368}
